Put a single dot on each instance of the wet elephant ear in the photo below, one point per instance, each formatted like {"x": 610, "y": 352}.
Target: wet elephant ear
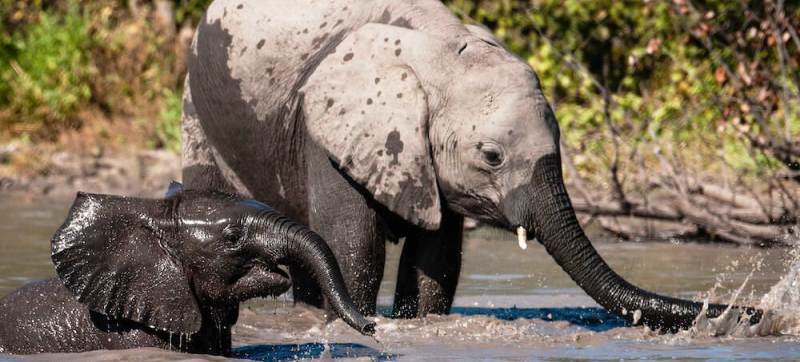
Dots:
{"x": 366, "y": 107}
{"x": 111, "y": 253}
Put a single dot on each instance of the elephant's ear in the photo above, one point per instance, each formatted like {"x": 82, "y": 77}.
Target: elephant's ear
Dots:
{"x": 365, "y": 105}
{"x": 111, "y": 254}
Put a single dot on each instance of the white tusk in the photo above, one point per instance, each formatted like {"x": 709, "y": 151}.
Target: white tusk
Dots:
{"x": 522, "y": 238}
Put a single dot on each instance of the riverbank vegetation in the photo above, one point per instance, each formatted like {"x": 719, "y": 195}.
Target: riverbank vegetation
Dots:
{"x": 680, "y": 119}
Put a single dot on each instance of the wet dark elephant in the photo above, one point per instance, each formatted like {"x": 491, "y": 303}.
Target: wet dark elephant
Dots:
{"x": 376, "y": 120}
{"x": 166, "y": 273}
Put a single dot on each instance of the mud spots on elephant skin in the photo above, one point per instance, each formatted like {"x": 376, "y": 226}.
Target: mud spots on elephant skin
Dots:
{"x": 329, "y": 104}
{"x": 403, "y": 76}
{"x": 385, "y": 18}
{"x": 261, "y": 43}
{"x": 377, "y": 80}
{"x": 394, "y": 146}
{"x": 348, "y": 57}
{"x": 413, "y": 190}
{"x": 323, "y": 25}
{"x": 369, "y": 101}
{"x": 317, "y": 41}
{"x": 397, "y": 52}
{"x": 402, "y": 22}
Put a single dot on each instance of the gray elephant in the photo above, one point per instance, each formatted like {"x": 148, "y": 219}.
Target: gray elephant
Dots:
{"x": 166, "y": 273}
{"x": 376, "y": 120}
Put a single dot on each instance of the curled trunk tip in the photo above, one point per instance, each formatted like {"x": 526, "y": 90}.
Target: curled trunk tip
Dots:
{"x": 307, "y": 249}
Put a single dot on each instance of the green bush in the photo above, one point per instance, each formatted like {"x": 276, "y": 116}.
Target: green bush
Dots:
{"x": 59, "y": 59}
{"x": 167, "y": 133}
{"x": 44, "y": 71}
{"x": 190, "y": 10}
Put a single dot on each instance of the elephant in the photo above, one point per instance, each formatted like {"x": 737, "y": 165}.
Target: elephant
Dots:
{"x": 166, "y": 273}
{"x": 380, "y": 120}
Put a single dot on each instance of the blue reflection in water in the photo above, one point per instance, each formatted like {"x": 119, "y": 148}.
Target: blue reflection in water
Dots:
{"x": 593, "y": 319}
{"x": 292, "y": 352}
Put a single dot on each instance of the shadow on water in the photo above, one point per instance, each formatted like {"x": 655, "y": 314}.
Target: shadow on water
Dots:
{"x": 293, "y": 352}
{"x": 593, "y": 319}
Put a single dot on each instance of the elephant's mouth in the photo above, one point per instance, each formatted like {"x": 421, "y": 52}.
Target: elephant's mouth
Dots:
{"x": 262, "y": 281}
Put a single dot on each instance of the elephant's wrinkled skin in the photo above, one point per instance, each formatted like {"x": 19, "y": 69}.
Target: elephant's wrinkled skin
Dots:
{"x": 164, "y": 273}
{"x": 385, "y": 119}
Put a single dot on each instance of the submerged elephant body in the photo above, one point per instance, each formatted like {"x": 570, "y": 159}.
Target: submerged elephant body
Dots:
{"x": 163, "y": 273}
{"x": 45, "y": 317}
{"x": 375, "y": 120}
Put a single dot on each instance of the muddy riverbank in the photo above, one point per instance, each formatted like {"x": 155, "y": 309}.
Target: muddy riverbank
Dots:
{"x": 133, "y": 172}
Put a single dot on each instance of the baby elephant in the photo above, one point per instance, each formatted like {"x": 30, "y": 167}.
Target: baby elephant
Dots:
{"x": 166, "y": 273}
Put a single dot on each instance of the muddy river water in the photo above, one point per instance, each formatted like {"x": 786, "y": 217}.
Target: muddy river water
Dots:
{"x": 511, "y": 304}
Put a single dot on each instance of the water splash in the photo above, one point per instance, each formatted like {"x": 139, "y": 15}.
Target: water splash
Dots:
{"x": 783, "y": 300}
{"x": 781, "y": 306}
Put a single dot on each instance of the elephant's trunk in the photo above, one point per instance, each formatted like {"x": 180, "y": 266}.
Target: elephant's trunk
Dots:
{"x": 307, "y": 249}
{"x": 555, "y": 225}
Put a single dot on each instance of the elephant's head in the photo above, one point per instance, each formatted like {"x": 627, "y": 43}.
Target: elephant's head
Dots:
{"x": 425, "y": 122}
{"x": 166, "y": 262}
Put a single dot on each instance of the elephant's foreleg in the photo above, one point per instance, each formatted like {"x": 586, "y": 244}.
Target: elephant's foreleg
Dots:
{"x": 343, "y": 214}
{"x": 429, "y": 268}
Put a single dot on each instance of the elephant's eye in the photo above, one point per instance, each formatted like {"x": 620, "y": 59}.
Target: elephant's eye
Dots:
{"x": 491, "y": 154}
{"x": 233, "y": 233}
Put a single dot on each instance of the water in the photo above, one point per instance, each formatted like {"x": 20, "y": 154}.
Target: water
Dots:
{"x": 511, "y": 305}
